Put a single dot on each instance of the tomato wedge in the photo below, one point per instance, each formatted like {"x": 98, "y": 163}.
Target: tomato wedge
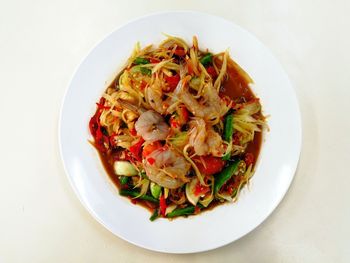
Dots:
{"x": 211, "y": 71}
{"x": 172, "y": 81}
{"x": 179, "y": 51}
{"x": 149, "y": 148}
{"x": 209, "y": 165}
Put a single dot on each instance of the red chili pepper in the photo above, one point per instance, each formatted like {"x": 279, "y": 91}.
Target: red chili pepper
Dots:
{"x": 212, "y": 72}
{"x": 151, "y": 160}
{"x": 172, "y": 81}
{"x": 102, "y": 107}
{"x": 249, "y": 159}
{"x": 179, "y": 51}
{"x": 101, "y": 141}
{"x": 209, "y": 164}
{"x": 136, "y": 149}
{"x": 94, "y": 125}
{"x": 162, "y": 205}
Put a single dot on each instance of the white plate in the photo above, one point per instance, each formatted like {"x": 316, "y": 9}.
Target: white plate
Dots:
{"x": 224, "y": 224}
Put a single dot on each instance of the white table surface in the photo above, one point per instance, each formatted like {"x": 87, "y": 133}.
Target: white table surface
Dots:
{"x": 42, "y": 42}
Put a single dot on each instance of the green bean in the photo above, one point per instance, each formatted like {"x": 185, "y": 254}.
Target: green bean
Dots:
{"x": 155, "y": 215}
{"x": 225, "y": 175}
{"x": 134, "y": 193}
{"x": 181, "y": 212}
{"x": 145, "y": 71}
{"x": 228, "y": 131}
{"x": 124, "y": 180}
{"x": 141, "y": 61}
{"x": 207, "y": 59}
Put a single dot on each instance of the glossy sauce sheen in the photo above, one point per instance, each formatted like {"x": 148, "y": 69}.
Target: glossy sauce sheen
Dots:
{"x": 235, "y": 87}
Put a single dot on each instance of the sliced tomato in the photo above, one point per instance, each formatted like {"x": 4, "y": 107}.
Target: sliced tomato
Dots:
{"x": 149, "y": 148}
{"x": 200, "y": 189}
{"x": 211, "y": 71}
{"x": 172, "y": 81}
{"x": 209, "y": 165}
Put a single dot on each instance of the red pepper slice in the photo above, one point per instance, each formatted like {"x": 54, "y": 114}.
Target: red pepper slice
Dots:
{"x": 162, "y": 205}
{"x": 136, "y": 150}
{"x": 101, "y": 141}
{"x": 94, "y": 125}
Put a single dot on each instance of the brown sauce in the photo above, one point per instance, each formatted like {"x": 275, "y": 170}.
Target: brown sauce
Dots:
{"x": 235, "y": 86}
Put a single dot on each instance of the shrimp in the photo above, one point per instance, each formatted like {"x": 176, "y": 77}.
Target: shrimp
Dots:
{"x": 205, "y": 140}
{"x": 154, "y": 96}
{"x": 151, "y": 126}
{"x": 211, "y": 108}
{"x": 168, "y": 168}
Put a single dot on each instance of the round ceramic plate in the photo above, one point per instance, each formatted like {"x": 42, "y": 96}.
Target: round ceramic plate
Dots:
{"x": 224, "y": 224}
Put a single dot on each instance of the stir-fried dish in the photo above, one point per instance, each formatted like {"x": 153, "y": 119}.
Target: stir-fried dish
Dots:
{"x": 179, "y": 129}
